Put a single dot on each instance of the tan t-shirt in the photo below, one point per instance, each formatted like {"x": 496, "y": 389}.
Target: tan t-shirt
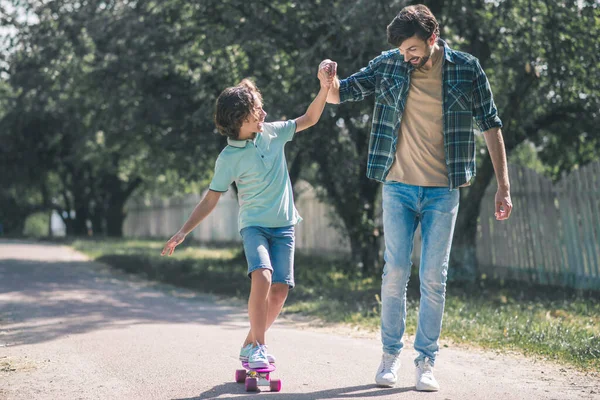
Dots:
{"x": 420, "y": 157}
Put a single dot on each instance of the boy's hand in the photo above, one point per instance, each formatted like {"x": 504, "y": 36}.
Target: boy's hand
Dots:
{"x": 326, "y": 74}
{"x": 324, "y": 79}
{"x": 330, "y": 66}
{"x": 176, "y": 240}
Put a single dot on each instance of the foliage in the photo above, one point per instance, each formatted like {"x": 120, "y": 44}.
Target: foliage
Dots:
{"x": 106, "y": 99}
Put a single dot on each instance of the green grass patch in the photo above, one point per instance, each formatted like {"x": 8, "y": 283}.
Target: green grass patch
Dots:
{"x": 553, "y": 323}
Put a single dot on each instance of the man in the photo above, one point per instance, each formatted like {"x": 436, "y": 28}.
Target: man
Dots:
{"x": 422, "y": 148}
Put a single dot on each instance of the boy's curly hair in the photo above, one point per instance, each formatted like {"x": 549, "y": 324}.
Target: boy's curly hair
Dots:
{"x": 234, "y": 105}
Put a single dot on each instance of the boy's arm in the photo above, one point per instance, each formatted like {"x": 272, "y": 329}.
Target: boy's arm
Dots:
{"x": 315, "y": 110}
{"x": 202, "y": 210}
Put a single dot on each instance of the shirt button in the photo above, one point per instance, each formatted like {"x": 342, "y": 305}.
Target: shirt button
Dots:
{"x": 262, "y": 156}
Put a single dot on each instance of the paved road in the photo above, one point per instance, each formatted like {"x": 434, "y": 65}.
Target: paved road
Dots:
{"x": 73, "y": 329}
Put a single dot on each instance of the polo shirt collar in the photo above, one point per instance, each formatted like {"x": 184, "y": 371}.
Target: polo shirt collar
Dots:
{"x": 237, "y": 143}
{"x": 240, "y": 143}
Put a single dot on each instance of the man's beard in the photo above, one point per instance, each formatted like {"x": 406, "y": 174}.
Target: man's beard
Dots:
{"x": 428, "y": 50}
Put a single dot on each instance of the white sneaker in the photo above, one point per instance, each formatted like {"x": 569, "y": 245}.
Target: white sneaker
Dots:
{"x": 387, "y": 374}
{"x": 247, "y": 349}
{"x": 425, "y": 380}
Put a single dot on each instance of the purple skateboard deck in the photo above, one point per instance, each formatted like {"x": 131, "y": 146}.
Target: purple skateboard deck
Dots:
{"x": 262, "y": 370}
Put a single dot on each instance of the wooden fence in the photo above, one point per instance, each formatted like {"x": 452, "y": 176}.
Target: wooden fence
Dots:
{"x": 552, "y": 237}
{"x": 553, "y": 234}
{"x": 163, "y": 217}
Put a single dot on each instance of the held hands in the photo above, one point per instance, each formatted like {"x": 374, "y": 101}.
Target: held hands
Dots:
{"x": 327, "y": 72}
{"x": 176, "y": 240}
{"x": 503, "y": 204}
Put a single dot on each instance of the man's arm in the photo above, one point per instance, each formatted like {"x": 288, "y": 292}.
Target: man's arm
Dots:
{"x": 354, "y": 88}
{"x": 495, "y": 145}
{"x": 333, "y": 97}
{"x": 202, "y": 210}
{"x": 486, "y": 117}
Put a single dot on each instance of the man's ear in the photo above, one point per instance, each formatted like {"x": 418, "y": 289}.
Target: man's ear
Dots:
{"x": 432, "y": 39}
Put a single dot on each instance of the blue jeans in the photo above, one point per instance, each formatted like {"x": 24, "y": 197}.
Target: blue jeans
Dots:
{"x": 404, "y": 207}
{"x": 272, "y": 249}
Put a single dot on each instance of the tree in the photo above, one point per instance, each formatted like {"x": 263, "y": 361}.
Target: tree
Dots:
{"x": 127, "y": 87}
{"x": 542, "y": 83}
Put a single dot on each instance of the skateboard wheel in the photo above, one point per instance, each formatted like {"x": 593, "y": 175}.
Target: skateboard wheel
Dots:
{"x": 251, "y": 385}
{"x": 240, "y": 375}
{"x": 275, "y": 385}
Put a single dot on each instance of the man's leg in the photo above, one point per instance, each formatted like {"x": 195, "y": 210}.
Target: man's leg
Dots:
{"x": 400, "y": 221}
{"x": 439, "y": 211}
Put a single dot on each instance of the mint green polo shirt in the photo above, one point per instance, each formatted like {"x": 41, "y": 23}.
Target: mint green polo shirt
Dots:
{"x": 259, "y": 169}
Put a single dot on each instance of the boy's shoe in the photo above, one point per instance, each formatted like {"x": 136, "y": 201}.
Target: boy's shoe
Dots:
{"x": 425, "y": 380}
{"x": 258, "y": 357}
{"x": 387, "y": 374}
{"x": 247, "y": 349}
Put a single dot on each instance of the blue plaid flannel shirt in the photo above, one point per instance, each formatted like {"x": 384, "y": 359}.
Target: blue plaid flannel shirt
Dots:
{"x": 466, "y": 96}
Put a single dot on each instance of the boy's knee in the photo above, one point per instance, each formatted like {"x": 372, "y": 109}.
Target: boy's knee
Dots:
{"x": 279, "y": 292}
{"x": 262, "y": 275}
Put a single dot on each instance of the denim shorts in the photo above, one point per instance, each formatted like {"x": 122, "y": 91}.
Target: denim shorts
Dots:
{"x": 272, "y": 249}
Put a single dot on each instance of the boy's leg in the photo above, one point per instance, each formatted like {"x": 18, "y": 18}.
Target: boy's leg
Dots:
{"x": 282, "y": 245}
{"x": 258, "y": 304}
{"x": 256, "y": 248}
{"x": 277, "y": 296}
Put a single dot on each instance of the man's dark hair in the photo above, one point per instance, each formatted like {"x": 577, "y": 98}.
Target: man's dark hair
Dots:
{"x": 234, "y": 105}
{"x": 410, "y": 21}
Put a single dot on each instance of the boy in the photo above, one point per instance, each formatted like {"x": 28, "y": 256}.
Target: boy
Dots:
{"x": 255, "y": 160}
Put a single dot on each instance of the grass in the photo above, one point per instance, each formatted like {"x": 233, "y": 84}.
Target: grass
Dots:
{"x": 550, "y": 323}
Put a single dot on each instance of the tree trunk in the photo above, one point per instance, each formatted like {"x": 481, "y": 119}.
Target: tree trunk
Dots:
{"x": 80, "y": 222}
{"x": 69, "y": 226}
{"x": 365, "y": 252}
{"x": 50, "y": 233}
{"x": 115, "y": 215}
{"x": 463, "y": 257}
{"x": 117, "y": 193}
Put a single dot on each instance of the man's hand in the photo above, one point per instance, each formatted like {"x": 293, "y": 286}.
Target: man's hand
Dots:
{"x": 329, "y": 69}
{"x": 503, "y": 204}
{"x": 176, "y": 240}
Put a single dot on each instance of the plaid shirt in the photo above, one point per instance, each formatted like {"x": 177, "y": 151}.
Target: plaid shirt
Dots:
{"x": 466, "y": 95}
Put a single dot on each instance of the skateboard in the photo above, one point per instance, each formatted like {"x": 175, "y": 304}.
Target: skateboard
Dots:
{"x": 255, "y": 377}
